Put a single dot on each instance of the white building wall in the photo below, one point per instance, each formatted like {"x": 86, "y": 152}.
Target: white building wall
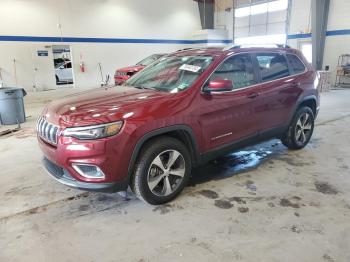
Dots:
{"x": 299, "y": 20}
{"x": 338, "y": 19}
{"x": 223, "y": 20}
{"x": 151, "y": 19}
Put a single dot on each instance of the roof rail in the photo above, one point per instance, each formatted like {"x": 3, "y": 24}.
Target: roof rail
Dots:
{"x": 184, "y": 49}
{"x": 235, "y": 46}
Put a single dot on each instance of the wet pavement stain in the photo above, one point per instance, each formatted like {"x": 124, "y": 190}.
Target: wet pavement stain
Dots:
{"x": 250, "y": 185}
{"x": 84, "y": 208}
{"x": 81, "y": 195}
{"x": 270, "y": 204}
{"x": 209, "y": 194}
{"x": 328, "y": 258}
{"x": 224, "y": 204}
{"x": 325, "y": 188}
{"x": 238, "y": 200}
{"x": 25, "y": 132}
{"x": 290, "y": 160}
{"x": 243, "y": 209}
{"x": 163, "y": 209}
{"x": 17, "y": 190}
{"x": 295, "y": 229}
{"x": 237, "y": 162}
{"x": 344, "y": 167}
{"x": 284, "y": 202}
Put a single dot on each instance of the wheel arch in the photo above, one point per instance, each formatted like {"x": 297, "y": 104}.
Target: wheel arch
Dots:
{"x": 181, "y": 132}
{"x": 310, "y": 101}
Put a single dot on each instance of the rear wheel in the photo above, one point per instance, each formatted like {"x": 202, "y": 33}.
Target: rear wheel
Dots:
{"x": 300, "y": 130}
{"x": 162, "y": 170}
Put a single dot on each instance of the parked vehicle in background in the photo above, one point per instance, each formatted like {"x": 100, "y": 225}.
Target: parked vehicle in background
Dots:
{"x": 58, "y": 61}
{"x": 177, "y": 113}
{"x": 64, "y": 73}
{"x": 123, "y": 74}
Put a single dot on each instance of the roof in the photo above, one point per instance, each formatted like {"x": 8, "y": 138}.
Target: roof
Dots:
{"x": 218, "y": 51}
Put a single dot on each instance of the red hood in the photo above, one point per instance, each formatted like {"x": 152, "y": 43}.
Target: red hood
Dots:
{"x": 134, "y": 68}
{"x": 99, "y": 106}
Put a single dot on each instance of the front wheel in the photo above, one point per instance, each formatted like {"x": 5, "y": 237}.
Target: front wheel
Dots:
{"x": 300, "y": 130}
{"x": 162, "y": 170}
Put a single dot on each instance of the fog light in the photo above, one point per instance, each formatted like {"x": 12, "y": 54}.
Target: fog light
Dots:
{"x": 88, "y": 171}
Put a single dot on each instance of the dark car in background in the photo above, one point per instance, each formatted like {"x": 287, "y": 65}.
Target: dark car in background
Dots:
{"x": 123, "y": 74}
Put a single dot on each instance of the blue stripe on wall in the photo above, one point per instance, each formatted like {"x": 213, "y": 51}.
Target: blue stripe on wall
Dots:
{"x": 144, "y": 41}
{"x": 328, "y": 33}
{"x": 297, "y": 36}
{"x": 109, "y": 40}
{"x": 338, "y": 32}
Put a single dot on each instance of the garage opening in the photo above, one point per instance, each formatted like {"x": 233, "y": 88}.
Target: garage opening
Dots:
{"x": 62, "y": 59}
{"x": 306, "y": 48}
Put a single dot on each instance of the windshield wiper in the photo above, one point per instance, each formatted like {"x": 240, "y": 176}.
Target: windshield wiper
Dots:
{"x": 146, "y": 87}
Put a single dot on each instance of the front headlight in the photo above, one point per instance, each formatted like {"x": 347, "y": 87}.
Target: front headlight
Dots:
{"x": 94, "y": 132}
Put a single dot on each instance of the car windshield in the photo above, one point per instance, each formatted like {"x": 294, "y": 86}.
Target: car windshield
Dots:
{"x": 149, "y": 60}
{"x": 59, "y": 64}
{"x": 171, "y": 73}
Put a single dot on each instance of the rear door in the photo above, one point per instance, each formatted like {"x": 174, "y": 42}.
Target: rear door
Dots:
{"x": 279, "y": 89}
{"x": 230, "y": 116}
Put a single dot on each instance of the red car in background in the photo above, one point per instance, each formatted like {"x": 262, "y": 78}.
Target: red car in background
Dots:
{"x": 123, "y": 74}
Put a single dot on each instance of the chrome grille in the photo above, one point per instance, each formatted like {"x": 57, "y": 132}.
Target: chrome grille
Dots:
{"x": 47, "y": 131}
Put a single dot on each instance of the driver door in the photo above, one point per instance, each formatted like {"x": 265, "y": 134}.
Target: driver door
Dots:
{"x": 230, "y": 116}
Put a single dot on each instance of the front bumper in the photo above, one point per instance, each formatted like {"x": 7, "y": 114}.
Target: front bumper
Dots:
{"x": 63, "y": 176}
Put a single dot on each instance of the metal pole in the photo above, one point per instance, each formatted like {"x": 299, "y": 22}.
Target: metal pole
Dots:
{"x": 319, "y": 19}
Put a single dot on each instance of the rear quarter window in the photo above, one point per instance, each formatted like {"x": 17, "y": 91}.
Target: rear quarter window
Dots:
{"x": 296, "y": 64}
{"x": 272, "y": 66}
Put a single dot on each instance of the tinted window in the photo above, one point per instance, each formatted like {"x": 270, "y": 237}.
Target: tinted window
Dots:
{"x": 68, "y": 65}
{"x": 272, "y": 66}
{"x": 238, "y": 69}
{"x": 297, "y": 66}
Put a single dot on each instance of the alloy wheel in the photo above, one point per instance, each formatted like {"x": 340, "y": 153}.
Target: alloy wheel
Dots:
{"x": 303, "y": 128}
{"x": 166, "y": 172}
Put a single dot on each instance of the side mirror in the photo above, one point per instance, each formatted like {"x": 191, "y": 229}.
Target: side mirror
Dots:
{"x": 61, "y": 67}
{"x": 218, "y": 85}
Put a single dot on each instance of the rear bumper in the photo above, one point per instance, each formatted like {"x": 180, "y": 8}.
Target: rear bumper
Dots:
{"x": 63, "y": 176}
{"x": 317, "y": 110}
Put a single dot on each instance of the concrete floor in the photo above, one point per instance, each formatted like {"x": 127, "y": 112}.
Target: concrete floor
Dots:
{"x": 260, "y": 204}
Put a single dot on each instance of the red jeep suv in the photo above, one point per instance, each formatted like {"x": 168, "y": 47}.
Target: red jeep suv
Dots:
{"x": 187, "y": 108}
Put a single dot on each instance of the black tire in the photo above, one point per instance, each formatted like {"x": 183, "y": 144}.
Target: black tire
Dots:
{"x": 57, "y": 80}
{"x": 146, "y": 171}
{"x": 296, "y": 136}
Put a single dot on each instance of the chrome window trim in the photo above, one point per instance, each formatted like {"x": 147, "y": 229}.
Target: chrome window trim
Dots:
{"x": 260, "y": 83}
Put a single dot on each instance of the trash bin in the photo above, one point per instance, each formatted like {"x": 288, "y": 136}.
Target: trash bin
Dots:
{"x": 12, "y": 106}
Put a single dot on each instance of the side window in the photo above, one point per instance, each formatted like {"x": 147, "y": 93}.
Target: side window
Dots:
{"x": 272, "y": 66}
{"x": 239, "y": 69}
{"x": 69, "y": 65}
{"x": 297, "y": 66}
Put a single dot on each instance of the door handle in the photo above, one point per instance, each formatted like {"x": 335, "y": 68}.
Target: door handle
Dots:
{"x": 253, "y": 95}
